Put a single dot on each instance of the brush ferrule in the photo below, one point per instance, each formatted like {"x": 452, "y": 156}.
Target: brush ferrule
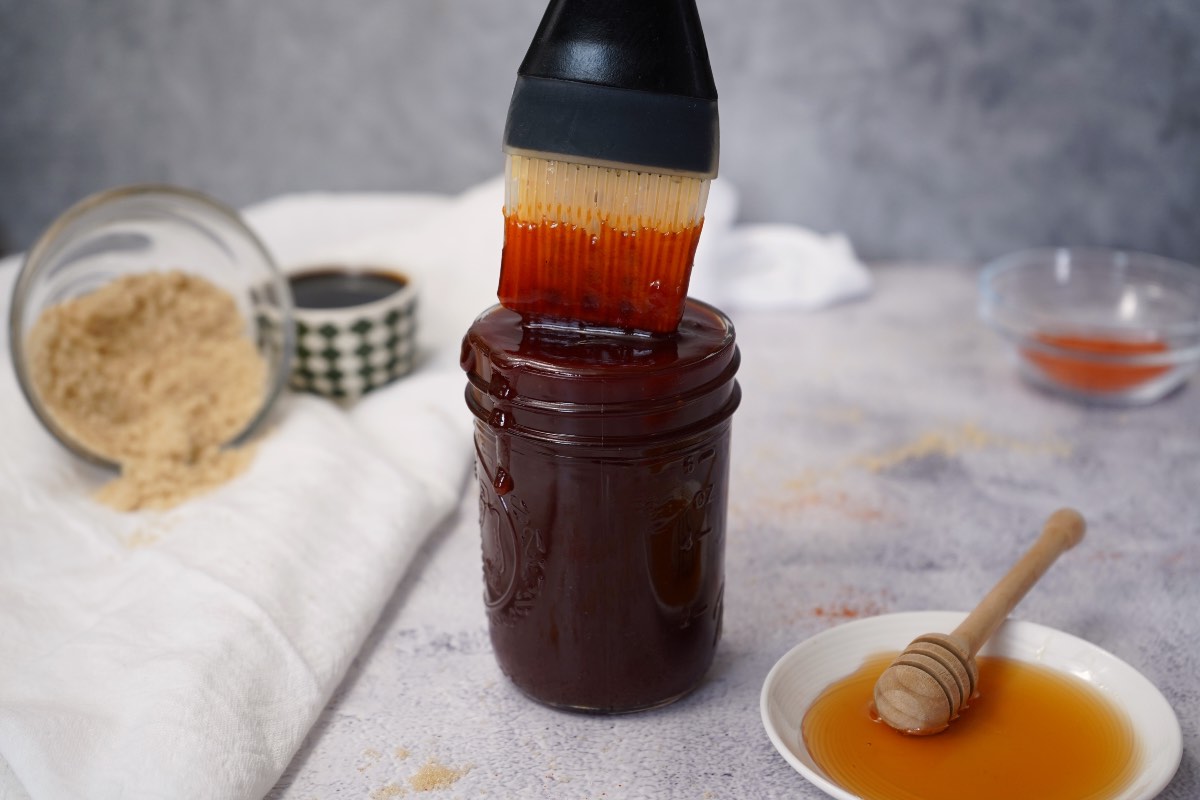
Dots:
{"x": 580, "y": 121}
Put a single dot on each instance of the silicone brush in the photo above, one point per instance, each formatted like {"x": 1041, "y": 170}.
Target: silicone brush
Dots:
{"x": 610, "y": 145}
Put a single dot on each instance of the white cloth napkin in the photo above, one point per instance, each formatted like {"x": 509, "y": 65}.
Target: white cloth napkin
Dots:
{"x": 185, "y": 654}
{"x": 772, "y": 266}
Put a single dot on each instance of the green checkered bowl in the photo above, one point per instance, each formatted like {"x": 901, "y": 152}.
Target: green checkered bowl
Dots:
{"x": 344, "y": 352}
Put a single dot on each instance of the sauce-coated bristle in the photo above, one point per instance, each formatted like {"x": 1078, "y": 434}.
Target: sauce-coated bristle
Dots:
{"x": 599, "y": 245}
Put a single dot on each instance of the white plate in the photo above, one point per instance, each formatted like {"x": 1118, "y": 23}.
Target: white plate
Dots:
{"x": 808, "y": 668}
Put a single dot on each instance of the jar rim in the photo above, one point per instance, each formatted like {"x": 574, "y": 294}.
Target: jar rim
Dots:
{"x": 599, "y": 386}
{"x": 556, "y": 365}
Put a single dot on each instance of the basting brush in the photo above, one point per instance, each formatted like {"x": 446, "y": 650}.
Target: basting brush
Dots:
{"x": 610, "y": 145}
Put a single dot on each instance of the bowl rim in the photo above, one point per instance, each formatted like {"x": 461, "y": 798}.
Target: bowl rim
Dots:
{"x": 407, "y": 294}
{"x": 34, "y": 255}
{"x": 992, "y": 306}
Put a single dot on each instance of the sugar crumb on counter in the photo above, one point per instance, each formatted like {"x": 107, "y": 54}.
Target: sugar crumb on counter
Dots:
{"x": 808, "y": 488}
{"x": 840, "y": 415}
{"x": 967, "y": 437}
{"x": 839, "y": 501}
{"x": 434, "y": 775}
{"x": 369, "y": 756}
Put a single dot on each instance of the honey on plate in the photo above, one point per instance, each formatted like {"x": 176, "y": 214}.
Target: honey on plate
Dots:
{"x": 1029, "y": 732}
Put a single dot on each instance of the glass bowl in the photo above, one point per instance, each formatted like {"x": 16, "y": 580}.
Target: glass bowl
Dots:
{"x": 152, "y": 228}
{"x": 1105, "y": 327}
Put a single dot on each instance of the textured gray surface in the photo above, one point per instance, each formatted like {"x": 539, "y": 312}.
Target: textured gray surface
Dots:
{"x": 886, "y": 458}
{"x": 928, "y": 128}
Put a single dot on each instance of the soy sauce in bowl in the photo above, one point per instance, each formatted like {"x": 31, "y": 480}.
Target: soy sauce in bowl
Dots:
{"x": 340, "y": 288}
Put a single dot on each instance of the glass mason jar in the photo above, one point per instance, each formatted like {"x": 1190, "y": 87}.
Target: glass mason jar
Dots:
{"x": 603, "y": 464}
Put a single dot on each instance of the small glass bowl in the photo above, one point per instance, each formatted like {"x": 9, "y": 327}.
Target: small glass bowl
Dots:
{"x": 1105, "y": 327}
{"x": 152, "y": 228}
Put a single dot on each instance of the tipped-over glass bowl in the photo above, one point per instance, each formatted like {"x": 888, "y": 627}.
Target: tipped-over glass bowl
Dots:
{"x": 1105, "y": 327}
{"x": 151, "y": 228}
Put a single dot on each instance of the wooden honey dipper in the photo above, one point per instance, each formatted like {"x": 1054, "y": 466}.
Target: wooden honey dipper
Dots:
{"x": 935, "y": 677}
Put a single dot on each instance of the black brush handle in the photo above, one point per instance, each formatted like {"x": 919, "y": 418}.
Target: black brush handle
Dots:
{"x": 645, "y": 45}
{"x": 620, "y": 81}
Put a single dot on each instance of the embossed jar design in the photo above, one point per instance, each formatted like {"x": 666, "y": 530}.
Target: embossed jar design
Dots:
{"x": 603, "y": 464}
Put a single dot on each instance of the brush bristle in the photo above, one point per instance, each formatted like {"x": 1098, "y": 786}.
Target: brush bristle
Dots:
{"x": 600, "y": 245}
{"x": 586, "y": 195}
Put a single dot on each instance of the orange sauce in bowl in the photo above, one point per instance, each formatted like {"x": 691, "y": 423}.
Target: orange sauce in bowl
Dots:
{"x": 1096, "y": 376}
{"x": 1030, "y": 732}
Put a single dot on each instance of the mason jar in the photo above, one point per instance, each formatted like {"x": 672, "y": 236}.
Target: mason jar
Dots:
{"x": 602, "y": 460}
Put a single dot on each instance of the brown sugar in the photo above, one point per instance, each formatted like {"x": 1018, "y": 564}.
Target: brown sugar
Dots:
{"x": 435, "y": 776}
{"x": 154, "y": 372}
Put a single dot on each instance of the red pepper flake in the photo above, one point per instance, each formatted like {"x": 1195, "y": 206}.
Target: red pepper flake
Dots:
{"x": 837, "y": 612}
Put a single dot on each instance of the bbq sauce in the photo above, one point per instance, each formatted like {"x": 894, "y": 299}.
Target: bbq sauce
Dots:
{"x": 602, "y": 461}
{"x": 340, "y": 288}
{"x": 628, "y": 279}
{"x": 1029, "y": 732}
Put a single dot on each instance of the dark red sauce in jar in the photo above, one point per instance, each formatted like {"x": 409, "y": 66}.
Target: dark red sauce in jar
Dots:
{"x": 603, "y": 463}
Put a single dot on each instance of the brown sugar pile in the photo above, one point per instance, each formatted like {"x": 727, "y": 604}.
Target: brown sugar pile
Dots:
{"x": 155, "y": 372}
{"x": 434, "y": 776}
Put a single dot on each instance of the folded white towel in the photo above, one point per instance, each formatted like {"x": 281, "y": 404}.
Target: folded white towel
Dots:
{"x": 772, "y": 266}
{"x": 185, "y": 654}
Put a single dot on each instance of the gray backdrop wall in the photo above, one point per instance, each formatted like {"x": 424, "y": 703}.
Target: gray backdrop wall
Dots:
{"x": 922, "y": 128}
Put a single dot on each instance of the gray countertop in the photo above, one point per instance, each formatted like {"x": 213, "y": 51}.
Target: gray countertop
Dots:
{"x": 886, "y": 458}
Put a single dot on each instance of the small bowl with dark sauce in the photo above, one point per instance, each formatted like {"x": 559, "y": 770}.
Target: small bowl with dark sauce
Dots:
{"x": 355, "y": 325}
